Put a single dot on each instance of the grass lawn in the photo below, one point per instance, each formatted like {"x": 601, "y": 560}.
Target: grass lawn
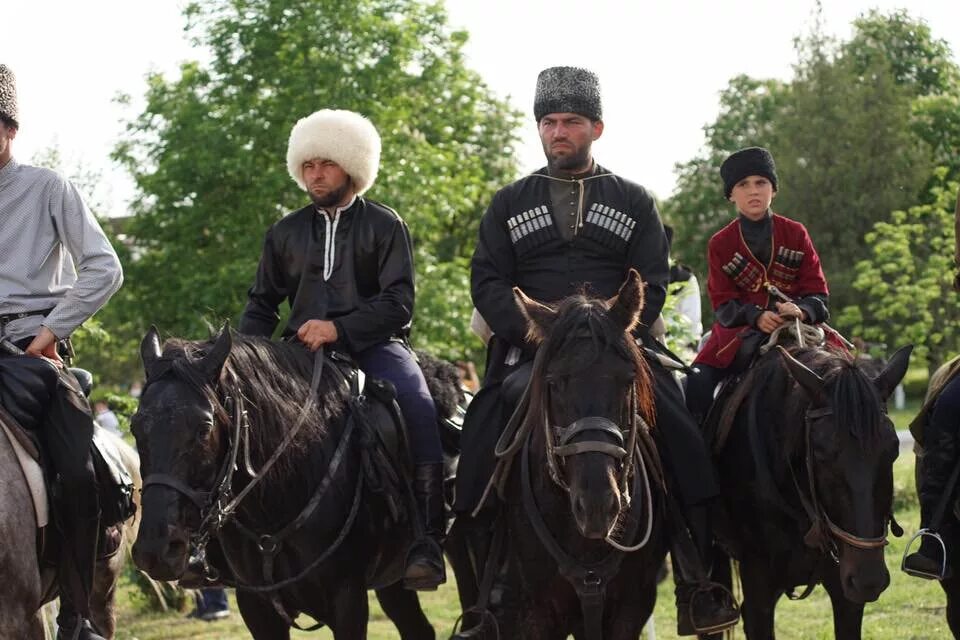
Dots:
{"x": 910, "y": 609}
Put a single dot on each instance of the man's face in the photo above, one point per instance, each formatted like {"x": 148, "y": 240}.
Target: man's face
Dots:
{"x": 327, "y": 184}
{"x": 753, "y": 196}
{"x": 567, "y": 138}
{"x": 6, "y": 135}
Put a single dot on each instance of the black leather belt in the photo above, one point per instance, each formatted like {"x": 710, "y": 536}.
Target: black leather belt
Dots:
{"x": 7, "y": 318}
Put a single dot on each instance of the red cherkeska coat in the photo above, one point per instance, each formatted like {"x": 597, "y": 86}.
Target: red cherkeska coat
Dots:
{"x": 736, "y": 274}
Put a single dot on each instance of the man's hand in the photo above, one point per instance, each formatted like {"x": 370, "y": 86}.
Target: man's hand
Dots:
{"x": 45, "y": 346}
{"x": 769, "y": 321}
{"x": 789, "y": 310}
{"x": 316, "y": 333}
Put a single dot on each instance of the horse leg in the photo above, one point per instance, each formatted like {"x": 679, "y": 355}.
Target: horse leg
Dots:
{"x": 759, "y": 600}
{"x": 402, "y": 606}
{"x": 102, "y": 598}
{"x": 350, "y": 611}
{"x": 847, "y": 615}
{"x": 261, "y": 618}
{"x": 628, "y": 620}
{"x": 951, "y": 587}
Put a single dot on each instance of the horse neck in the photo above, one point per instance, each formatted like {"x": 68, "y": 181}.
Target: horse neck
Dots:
{"x": 297, "y": 473}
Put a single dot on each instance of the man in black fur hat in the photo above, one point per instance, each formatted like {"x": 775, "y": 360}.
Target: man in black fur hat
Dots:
{"x": 569, "y": 225}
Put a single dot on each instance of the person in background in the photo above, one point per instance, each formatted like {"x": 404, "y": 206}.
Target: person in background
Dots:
{"x": 106, "y": 418}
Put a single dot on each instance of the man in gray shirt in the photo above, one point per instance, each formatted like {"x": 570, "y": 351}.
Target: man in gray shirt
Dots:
{"x": 57, "y": 269}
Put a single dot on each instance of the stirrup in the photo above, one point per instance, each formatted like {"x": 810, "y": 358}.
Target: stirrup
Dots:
{"x": 705, "y": 590}
{"x": 480, "y": 629}
{"x": 929, "y": 533}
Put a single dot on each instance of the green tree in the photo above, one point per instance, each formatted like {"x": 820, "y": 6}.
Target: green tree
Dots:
{"x": 748, "y": 110}
{"x": 207, "y": 153}
{"x": 847, "y": 156}
{"x": 904, "y": 288}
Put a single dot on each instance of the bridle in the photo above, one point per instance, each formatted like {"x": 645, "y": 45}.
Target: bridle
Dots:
{"x": 218, "y": 505}
{"x": 589, "y": 580}
{"x": 824, "y": 533}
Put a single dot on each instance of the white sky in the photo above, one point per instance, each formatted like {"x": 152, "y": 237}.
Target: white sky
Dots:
{"x": 661, "y": 64}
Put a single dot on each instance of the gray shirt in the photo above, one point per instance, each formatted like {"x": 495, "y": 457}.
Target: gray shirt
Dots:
{"x": 53, "y": 253}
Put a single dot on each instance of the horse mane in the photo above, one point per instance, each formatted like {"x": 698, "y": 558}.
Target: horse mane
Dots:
{"x": 854, "y": 398}
{"x": 581, "y": 316}
{"x": 273, "y": 378}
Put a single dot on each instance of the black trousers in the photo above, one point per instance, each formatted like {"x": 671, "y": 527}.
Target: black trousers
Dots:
{"x": 66, "y": 431}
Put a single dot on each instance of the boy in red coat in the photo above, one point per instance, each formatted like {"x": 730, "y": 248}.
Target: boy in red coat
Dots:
{"x": 757, "y": 251}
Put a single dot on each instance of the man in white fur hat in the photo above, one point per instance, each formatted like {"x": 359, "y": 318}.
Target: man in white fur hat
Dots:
{"x": 58, "y": 269}
{"x": 344, "y": 263}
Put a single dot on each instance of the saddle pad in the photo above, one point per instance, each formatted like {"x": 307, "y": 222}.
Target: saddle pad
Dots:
{"x": 33, "y": 474}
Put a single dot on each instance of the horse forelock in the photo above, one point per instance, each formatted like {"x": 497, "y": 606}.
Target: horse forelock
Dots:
{"x": 582, "y": 317}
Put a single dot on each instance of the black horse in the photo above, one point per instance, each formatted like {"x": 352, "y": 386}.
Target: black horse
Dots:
{"x": 581, "y": 478}
{"x": 279, "y": 495}
{"x": 805, "y": 451}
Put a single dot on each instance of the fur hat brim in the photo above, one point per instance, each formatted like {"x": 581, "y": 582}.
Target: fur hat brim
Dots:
{"x": 344, "y": 137}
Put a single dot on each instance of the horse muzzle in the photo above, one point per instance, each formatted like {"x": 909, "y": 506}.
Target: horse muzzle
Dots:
{"x": 863, "y": 573}
{"x": 162, "y": 552}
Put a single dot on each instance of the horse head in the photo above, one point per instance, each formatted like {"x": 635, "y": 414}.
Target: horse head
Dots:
{"x": 181, "y": 446}
{"x": 846, "y": 478}
{"x": 588, "y": 385}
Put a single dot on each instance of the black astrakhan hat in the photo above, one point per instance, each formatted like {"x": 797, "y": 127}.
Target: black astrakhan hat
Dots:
{"x": 752, "y": 161}
{"x": 567, "y": 90}
{"x": 8, "y": 93}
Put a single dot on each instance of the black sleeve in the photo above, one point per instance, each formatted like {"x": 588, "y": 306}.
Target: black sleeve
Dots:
{"x": 492, "y": 278}
{"x": 269, "y": 290}
{"x": 815, "y": 305}
{"x": 378, "y": 318}
{"x": 649, "y": 254}
{"x": 734, "y": 313}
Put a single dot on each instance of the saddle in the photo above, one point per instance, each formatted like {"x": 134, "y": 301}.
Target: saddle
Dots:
{"x": 25, "y": 390}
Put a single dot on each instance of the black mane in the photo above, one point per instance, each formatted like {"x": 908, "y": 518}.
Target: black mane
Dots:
{"x": 855, "y": 400}
{"x": 273, "y": 378}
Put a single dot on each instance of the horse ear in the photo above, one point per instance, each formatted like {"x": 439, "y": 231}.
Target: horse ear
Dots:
{"x": 150, "y": 349}
{"x": 888, "y": 379}
{"x": 806, "y": 377}
{"x": 213, "y": 362}
{"x": 539, "y": 316}
{"x": 625, "y": 307}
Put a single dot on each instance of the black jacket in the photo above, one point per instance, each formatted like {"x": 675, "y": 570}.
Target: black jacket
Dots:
{"x": 519, "y": 245}
{"x": 356, "y": 270}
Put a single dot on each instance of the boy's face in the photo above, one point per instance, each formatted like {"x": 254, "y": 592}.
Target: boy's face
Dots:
{"x": 753, "y": 196}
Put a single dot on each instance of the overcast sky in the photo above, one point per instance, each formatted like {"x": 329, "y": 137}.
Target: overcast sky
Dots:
{"x": 661, "y": 64}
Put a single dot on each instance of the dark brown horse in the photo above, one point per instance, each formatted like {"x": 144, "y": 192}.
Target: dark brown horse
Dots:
{"x": 308, "y": 532}
{"x": 805, "y": 453}
{"x": 583, "y": 522}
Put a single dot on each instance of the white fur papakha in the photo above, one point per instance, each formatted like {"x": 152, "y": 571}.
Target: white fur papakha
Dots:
{"x": 345, "y": 137}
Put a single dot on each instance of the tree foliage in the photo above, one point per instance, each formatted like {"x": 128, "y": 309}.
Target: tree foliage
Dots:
{"x": 905, "y": 288}
{"x": 208, "y": 151}
{"x": 856, "y": 134}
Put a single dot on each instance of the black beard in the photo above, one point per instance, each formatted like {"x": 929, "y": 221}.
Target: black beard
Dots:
{"x": 332, "y": 198}
{"x": 580, "y": 161}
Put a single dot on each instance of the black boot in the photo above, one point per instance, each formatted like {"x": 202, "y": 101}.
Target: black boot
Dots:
{"x": 72, "y": 627}
{"x": 703, "y": 606}
{"x": 425, "y": 569}
{"x": 928, "y": 560}
{"x": 75, "y": 576}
